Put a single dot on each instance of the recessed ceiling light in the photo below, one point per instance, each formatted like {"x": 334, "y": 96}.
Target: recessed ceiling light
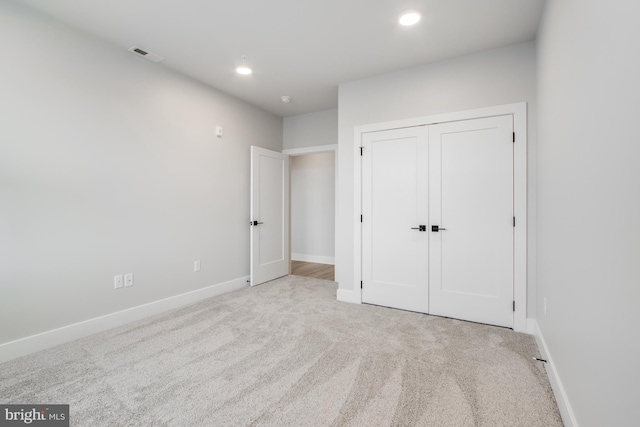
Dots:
{"x": 245, "y": 71}
{"x": 409, "y": 18}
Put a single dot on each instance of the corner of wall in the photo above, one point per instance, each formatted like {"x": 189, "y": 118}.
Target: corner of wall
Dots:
{"x": 345, "y": 295}
{"x": 566, "y": 411}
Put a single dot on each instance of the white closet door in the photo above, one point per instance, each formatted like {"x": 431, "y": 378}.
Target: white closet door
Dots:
{"x": 471, "y": 198}
{"x": 394, "y": 205}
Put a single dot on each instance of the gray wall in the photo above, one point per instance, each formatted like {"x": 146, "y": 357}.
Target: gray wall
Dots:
{"x": 589, "y": 205}
{"x": 109, "y": 165}
{"x": 496, "y": 77}
{"x": 313, "y": 207}
{"x": 309, "y": 130}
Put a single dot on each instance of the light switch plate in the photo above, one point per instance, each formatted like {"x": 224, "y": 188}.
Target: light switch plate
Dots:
{"x": 128, "y": 280}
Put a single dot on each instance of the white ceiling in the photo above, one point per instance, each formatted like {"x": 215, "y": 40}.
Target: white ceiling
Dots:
{"x": 299, "y": 48}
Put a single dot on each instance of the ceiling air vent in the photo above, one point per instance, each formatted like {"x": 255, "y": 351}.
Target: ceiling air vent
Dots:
{"x": 146, "y": 55}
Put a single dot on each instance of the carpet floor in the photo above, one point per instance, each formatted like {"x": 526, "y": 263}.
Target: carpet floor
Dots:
{"x": 287, "y": 353}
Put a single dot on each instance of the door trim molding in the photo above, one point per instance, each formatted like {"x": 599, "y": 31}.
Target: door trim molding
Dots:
{"x": 329, "y": 148}
{"x": 311, "y": 150}
{"x": 519, "y": 112}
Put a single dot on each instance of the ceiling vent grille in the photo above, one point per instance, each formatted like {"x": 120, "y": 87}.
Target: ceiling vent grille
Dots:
{"x": 145, "y": 54}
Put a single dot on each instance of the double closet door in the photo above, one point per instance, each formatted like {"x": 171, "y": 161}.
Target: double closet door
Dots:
{"x": 438, "y": 224}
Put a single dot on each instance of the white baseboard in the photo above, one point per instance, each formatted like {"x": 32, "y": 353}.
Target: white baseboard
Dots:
{"x": 568, "y": 417}
{"x": 349, "y": 296}
{"x": 320, "y": 259}
{"x": 44, "y": 340}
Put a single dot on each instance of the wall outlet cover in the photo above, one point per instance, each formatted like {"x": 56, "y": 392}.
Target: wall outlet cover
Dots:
{"x": 118, "y": 281}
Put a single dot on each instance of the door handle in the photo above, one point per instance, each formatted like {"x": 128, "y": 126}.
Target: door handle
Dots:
{"x": 255, "y": 223}
{"x": 420, "y": 228}
{"x": 436, "y": 228}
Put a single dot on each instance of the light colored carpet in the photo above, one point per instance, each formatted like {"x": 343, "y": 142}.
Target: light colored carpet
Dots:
{"x": 286, "y": 353}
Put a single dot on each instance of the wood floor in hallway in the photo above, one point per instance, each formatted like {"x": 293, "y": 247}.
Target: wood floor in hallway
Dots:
{"x": 312, "y": 269}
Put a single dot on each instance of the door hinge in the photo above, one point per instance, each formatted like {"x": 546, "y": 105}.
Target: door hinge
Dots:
{"x": 361, "y": 149}
{"x": 514, "y": 137}
{"x": 514, "y": 306}
{"x": 361, "y": 284}
{"x": 514, "y": 221}
{"x": 360, "y": 218}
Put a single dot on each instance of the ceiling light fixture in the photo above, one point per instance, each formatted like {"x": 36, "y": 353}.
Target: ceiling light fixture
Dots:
{"x": 243, "y": 69}
{"x": 409, "y": 18}
{"x": 286, "y": 99}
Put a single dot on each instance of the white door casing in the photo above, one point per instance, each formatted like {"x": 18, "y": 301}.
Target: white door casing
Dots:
{"x": 269, "y": 253}
{"x": 394, "y": 206}
{"x": 329, "y": 148}
{"x": 458, "y": 176}
{"x": 352, "y": 292}
{"x": 471, "y": 198}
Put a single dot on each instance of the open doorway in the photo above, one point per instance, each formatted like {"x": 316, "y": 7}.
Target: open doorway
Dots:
{"x": 313, "y": 214}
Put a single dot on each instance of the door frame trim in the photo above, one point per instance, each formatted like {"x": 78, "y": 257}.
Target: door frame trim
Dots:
{"x": 519, "y": 112}
{"x": 328, "y": 148}
{"x": 311, "y": 150}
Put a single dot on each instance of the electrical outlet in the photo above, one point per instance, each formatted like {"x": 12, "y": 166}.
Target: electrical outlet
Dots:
{"x": 544, "y": 306}
{"x": 196, "y": 266}
{"x": 128, "y": 280}
{"x": 118, "y": 281}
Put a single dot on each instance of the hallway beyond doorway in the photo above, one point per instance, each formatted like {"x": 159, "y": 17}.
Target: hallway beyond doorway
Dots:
{"x": 312, "y": 269}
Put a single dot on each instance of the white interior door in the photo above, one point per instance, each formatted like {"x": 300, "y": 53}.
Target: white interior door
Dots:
{"x": 269, "y": 215}
{"x": 394, "y": 206}
{"x": 471, "y": 198}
